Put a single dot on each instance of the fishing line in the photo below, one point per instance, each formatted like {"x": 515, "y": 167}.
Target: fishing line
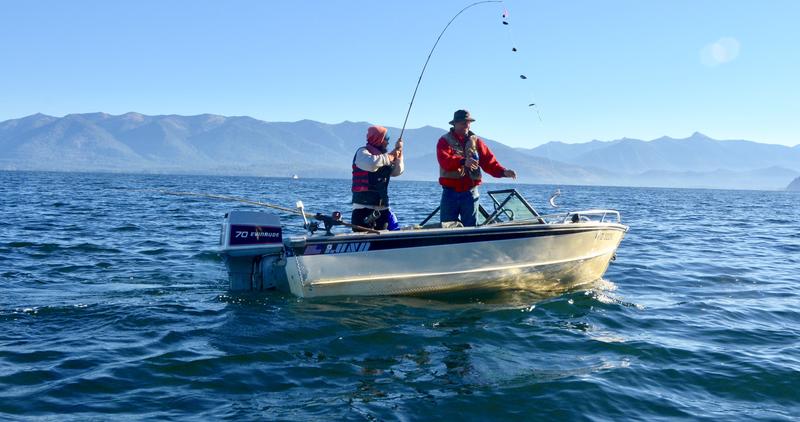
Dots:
{"x": 264, "y": 204}
{"x": 507, "y": 23}
{"x": 237, "y": 199}
{"x": 413, "y": 96}
{"x": 510, "y": 32}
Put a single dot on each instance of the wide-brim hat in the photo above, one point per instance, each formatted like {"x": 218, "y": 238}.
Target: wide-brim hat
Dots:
{"x": 461, "y": 116}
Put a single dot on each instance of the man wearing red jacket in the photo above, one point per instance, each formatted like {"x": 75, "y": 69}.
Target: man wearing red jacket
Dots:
{"x": 461, "y": 157}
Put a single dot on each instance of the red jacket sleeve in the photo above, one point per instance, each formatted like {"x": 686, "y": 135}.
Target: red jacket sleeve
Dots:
{"x": 448, "y": 159}
{"x": 487, "y": 161}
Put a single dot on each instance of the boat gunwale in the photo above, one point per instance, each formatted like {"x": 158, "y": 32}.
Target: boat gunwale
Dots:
{"x": 461, "y": 232}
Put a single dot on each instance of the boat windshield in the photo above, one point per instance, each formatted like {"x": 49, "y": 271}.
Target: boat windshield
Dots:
{"x": 509, "y": 205}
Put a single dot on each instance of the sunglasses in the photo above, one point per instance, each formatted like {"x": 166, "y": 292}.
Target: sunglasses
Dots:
{"x": 386, "y": 138}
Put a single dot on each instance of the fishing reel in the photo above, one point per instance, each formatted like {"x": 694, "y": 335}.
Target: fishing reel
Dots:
{"x": 335, "y": 219}
{"x": 370, "y": 220}
{"x": 328, "y": 221}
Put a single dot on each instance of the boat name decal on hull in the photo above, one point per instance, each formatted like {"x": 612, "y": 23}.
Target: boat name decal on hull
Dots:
{"x": 334, "y": 248}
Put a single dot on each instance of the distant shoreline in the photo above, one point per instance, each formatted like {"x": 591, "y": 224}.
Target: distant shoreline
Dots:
{"x": 396, "y": 180}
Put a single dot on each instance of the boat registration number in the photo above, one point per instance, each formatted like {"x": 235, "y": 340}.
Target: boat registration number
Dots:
{"x": 603, "y": 236}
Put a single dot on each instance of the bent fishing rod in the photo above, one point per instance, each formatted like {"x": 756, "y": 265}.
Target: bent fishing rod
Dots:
{"x": 317, "y": 216}
{"x": 411, "y": 104}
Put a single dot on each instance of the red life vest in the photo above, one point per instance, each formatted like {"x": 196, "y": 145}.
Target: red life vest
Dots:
{"x": 370, "y": 188}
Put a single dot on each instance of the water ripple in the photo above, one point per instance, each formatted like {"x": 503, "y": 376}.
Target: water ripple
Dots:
{"x": 115, "y": 305}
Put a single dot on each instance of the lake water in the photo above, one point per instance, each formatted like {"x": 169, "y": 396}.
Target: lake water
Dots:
{"x": 115, "y": 305}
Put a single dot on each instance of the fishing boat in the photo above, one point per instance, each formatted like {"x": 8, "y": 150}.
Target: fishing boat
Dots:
{"x": 513, "y": 247}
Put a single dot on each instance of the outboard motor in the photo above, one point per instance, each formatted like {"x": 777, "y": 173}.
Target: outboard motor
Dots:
{"x": 251, "y": 243}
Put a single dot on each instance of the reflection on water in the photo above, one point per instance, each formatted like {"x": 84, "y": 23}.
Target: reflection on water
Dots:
{"x": 510, "y": 298}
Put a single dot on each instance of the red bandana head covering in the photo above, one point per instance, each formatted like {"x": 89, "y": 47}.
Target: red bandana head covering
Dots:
{"x": 375, "y": 135}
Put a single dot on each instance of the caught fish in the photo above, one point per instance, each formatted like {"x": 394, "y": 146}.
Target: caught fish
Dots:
{"x": 553, "y": 197}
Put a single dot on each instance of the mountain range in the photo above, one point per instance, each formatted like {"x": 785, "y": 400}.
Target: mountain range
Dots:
{"x": 213, "y": 144}
{"x": 794, "y": 186}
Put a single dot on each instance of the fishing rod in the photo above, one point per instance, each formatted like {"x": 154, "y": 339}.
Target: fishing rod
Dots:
{"x": 411, "y": 104}
{"x": 328, "y": 220}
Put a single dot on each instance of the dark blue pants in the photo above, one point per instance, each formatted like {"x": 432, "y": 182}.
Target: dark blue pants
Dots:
{"x": 461, "y": 206}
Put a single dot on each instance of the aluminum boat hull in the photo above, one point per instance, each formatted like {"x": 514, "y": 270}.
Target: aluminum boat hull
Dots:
{"x": 513, "y": 256}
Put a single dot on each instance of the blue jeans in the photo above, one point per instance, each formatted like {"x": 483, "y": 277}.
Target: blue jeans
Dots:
{"x": 463, "y": 204}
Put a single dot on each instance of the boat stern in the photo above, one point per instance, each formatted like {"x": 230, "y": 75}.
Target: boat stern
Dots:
{"x": 251, "y": 244}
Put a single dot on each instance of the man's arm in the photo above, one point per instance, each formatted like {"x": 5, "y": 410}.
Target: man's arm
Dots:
{"x": 371, "y": 163}
{"x": 398, "y": 166}
{"x": 488, "y": 162}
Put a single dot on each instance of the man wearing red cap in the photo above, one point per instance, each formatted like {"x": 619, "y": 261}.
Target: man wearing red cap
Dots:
{"x": 372, "y": 168}
{"x": 461, "y": 157}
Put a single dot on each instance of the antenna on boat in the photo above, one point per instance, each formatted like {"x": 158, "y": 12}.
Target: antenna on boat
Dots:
{"x": 411, "y": 104}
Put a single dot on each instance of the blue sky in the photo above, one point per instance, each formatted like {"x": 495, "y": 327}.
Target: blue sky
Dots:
{"x": 596, "y": 69}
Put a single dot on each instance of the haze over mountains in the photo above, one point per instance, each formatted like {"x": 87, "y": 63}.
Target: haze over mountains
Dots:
{"x": 212, "y": 144}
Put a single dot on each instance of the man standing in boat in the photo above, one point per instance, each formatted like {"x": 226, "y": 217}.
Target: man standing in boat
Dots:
{"x": 372, "y": 168}
{"x": 461, "y": 157}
